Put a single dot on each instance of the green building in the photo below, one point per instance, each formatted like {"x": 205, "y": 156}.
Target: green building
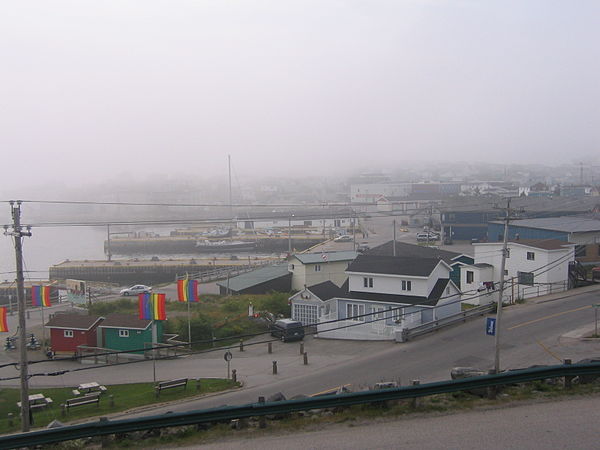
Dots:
{"x": 128, "y": 332}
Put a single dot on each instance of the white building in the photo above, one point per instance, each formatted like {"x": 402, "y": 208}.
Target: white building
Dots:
{"x": 308, "y": 269}
{"x": 533, "y": 267}
{"x": 383, "y": 296}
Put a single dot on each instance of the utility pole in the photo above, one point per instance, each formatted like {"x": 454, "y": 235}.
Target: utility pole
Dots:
{"x": 501, "y": 288}
{"x": 230, "y": 196}
{"x": 18, "y": 234}
{"x": 353, "y": 232}
{"x": 394, "y": 240}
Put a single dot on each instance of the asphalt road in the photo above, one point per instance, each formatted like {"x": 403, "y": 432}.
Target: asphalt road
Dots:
{"x": 571, "y": 423}
{"x": 532, "y": 333}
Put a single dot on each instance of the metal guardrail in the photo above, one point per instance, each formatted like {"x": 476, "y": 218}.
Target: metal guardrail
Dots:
{"x": 106, "y": 427}
{"x": 409, "y": 333}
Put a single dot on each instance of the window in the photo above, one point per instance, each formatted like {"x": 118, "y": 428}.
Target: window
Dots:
{"x": 530, "y": 256}
{"x": 505, "y": 272}
{"x": 469, "y": 276}
{"x": 406, "y": 285}
{"x": 124, "y": 333}
{"x": 581, "y": 250}
{"x": 368, "y": 282}
{"x": 308, "y": 223}
{"x": 379, "y": 313}
{"x": 68, "y": 333}
{"x": 291, "y": 267}
{"x": 317, "y": 267}
{"x": 353, "y": 310}
{"x": 397, "y": 314}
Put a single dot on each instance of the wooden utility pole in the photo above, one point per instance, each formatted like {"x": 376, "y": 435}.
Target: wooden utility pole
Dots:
{"x": 506, "y": 219}
{"x": 18, "y": 234}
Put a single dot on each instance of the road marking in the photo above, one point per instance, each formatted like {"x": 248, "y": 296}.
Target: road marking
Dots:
{"x": 549, "y": 317}
{"x": 549, "y": 351}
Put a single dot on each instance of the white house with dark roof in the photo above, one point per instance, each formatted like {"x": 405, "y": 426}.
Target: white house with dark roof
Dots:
{"x": 383, "y": 296}
{"x": 533, "y": 267}
{"x": 308, "y": 269}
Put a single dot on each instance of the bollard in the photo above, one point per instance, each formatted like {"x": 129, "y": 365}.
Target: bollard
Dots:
{"x": 63, "y": 410}
{"x": 568, "y": 378}
{"x": 234, "y": 375}
{"x": 10, "y": 420}
{"x": 274, "y": 367}
{"x": 111, "y": 400}
{"x": 262, "y": 422}
{"x": 241, "y": 345}
{"x": 270, "y": 347}
{"x": 305, "y": 359}
{"x": 415, "y": 403}
{"x": 197, "y": 384}
{"x": 302, "y": 348}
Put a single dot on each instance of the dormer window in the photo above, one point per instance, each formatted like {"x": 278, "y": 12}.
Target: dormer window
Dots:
{"x": 368, "y": 282}
{"x": 406, "y": 285}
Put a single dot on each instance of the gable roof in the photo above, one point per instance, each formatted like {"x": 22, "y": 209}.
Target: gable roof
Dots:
{"x": 566, "y": 224}
{"x": 73, "y": 321}
{"x": 327, "y": 290}
{"x": 394, "y": 265}
{"x": 543, "y": 244}
{"x": 256, "y": 277}
{"x": 317, "y": 258}
{"x": 413, "y": 251}
{"x": 125, "y": 321}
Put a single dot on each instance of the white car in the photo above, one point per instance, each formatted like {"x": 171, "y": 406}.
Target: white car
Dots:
{"x": 343, "y": 238}
{"x": 135, "y": 290}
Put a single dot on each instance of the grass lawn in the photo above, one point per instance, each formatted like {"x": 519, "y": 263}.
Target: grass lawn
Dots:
{"x": 125, "y": 396}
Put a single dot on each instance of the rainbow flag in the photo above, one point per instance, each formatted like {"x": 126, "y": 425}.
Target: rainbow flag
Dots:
{"x": 40, "y": 296}
{"x": 3, "y": 323}
{"x": 187, "y": 290}
{"x": 145, "y": 306}
{"x": 158, "y": 306}
{"x": 152, "y": 306}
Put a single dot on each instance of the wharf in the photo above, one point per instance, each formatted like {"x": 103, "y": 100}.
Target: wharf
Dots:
{"x": 152, "y": 271}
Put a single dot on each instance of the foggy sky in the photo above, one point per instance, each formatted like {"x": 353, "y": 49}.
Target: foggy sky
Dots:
{"x": 98, "y": 90}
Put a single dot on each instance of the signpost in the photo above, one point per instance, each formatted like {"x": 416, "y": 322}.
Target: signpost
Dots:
{"x": 227, "y": 357}
{"x": 490, "y": 326}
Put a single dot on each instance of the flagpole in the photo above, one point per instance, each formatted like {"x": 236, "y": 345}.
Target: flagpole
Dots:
{"x": 43, "y": 328}
{"x": 154, "y": 339}
{"x": 189, "y": 325}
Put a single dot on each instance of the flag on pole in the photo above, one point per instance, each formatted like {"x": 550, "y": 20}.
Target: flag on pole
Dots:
{"x": 3, "y": 322}
{"x": 158, "y": 307}
{"x": 144, "y": 303}
{"x": 187, "y": 290}
{"x": 40, "y": 296}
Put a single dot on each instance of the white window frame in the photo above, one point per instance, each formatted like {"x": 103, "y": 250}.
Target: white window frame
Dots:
{"x": 368, "y": 282}
{"x": 353, "y": 310}
{"x": 317, "y": 267}
{"x": 530, "y": 256}
{"x": 123, "y": 333}
{"x": 406, "y": 285}
{"x": 68, "y": 333}
{"x": 472, "y": 276}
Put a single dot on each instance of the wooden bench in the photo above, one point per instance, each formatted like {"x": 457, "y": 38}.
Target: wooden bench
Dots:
{"x": 85, "y": 400}
{"x": 170, "y": 384}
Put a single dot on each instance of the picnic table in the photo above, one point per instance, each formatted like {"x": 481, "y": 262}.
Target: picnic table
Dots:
{"x": 37, "y": 401}
{"x": 87, "y": 388}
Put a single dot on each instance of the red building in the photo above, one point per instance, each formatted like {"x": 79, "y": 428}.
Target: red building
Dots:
{"x": 68, "y": 331}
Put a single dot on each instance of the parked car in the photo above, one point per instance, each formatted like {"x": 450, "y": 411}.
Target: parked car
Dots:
{"x": 288, "y": 330}
{"x": 135, "y": 290}
{"x": 423, "y": 237}
{"x": 343, "y": 238}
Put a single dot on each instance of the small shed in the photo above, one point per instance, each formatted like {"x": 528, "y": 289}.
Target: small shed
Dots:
{"x": 68, "y": 331}
{"x": 128, "y": 332}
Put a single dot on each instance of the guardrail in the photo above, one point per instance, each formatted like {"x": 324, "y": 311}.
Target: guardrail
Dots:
{"x": 409, "y": 333}
{"x": 106, "y": 427}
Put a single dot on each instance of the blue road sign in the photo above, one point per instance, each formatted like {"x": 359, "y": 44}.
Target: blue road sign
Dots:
{"x": 490, "y": 326}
